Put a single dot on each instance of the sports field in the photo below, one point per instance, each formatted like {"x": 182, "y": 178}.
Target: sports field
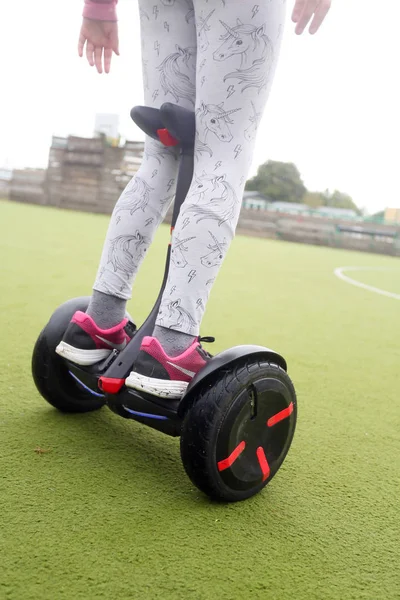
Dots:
{"x": 108, "y": 512}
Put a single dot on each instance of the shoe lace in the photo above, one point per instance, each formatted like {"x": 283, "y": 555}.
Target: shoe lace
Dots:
{"x": 208, "y": 339}
{"x": 130, "y": 329}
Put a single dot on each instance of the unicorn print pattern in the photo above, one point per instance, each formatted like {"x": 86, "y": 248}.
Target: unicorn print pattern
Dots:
{"x": 251, "y": 132}
{"x": 135, "y": 196}
{"x": 176, "y": 72}
{"x": 177, "y": 315}
{"x": 254, "y": 48}
{"x": 123, "y": 250}
{"x": 156, "y": 150}
{"x": 202, "y": 29}
{"x": 222, "y": 206}
{"x": 217, "y": 252}
{"x": 213, "y": 118}
{"x": 178, "y": 251}
{"x": 216, "y": 58}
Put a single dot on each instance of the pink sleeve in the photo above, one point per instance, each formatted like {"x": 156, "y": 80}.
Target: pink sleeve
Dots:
{"x": 102, "y": 10}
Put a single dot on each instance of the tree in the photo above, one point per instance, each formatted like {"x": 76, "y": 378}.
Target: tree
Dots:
{"x": 340, "y": 200}
{"x": 336, "y": 200}
{"x": 282, "y": 182}
{"x": 314, "y": 199}
{"x": 279, "y": 181}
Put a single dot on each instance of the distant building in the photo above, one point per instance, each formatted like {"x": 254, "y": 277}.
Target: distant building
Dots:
{"x": 255, "y": 200}
{"x": 336, "y": 213}
{"x": 5, "y": 179}
{"x": 294, "y": 208}
{"x": 392, "y": 215}
{"x": 6, "y": 174}
{"x": 258, "y": 201}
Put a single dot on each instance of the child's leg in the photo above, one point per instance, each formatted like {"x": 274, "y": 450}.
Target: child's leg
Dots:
{"x": 238, "y": 47}
{"x": 168, "y": 56}
{"x": 238, "y": 44}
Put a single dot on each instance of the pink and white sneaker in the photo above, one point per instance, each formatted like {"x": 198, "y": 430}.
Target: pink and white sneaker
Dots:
{"x": 166, "y": 376}
{"x": 86, "y": 344}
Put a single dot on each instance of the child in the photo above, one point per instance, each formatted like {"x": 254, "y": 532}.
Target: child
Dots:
{"x": 216, "y": 57}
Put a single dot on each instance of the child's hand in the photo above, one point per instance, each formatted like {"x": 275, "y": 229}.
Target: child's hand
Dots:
{"x": 101, "y": 39}
{"x": 305, "y": 9}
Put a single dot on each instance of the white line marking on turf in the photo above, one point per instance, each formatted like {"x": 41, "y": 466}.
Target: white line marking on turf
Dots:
{"x": 339, "y": 273}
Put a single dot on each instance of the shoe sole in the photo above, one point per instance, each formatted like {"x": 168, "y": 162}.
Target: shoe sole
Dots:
{"x": 162, "y": 388}
{"x": 85, "y": 358}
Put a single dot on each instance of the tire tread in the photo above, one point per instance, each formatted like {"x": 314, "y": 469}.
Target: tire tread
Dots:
{"x": 200, "y": 423}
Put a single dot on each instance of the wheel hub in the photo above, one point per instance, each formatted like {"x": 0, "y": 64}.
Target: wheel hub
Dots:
{"x": 254, "y": 435}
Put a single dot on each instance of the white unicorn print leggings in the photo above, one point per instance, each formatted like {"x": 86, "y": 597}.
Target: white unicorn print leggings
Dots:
{"x": 216, "y": 57}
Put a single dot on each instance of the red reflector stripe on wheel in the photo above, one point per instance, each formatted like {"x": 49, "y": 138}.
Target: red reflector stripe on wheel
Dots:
{"x": 262, "y": 459}
{"x": 280, "y": 415}
{"x": 227, "y": 462}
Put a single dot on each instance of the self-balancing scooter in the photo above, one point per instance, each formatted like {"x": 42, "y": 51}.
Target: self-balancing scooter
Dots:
{"x": 237, "y": 418}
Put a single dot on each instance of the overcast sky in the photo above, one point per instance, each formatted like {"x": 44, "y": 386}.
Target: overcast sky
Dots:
{"x": 333, "y": 110}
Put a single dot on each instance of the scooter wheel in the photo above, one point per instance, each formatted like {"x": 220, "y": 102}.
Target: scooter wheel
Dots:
{"x": 239, "y": 430}
{"x": 55, "y": 384}
{"x": 50, "y": 372}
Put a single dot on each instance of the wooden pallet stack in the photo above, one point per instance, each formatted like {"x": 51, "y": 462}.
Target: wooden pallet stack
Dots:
{"x": 27, "y": 185}
{"x": 87, "y": 174}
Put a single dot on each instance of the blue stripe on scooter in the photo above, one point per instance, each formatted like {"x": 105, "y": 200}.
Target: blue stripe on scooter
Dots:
{"x": 86, "y": 387}
{"x": 142, "y": 414}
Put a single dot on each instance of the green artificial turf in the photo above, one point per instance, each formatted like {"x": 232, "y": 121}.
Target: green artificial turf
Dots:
{"x": 384, "y": 278}
{"x": 108, "y": 512}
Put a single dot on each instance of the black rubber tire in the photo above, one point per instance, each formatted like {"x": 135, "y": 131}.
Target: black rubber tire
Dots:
{"x": 55, "y": 384}
{"x": 223, "y": 402}
{"x": 50, "y": 372}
